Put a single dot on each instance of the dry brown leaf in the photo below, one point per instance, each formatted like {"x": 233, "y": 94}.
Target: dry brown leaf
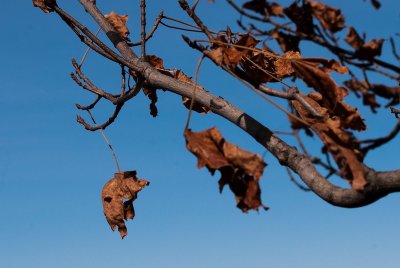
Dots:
{"x": 259, "y": 68}
{"x": 370, "y": 91}
{"x": 319, "y": 80}
{"x": 283, "y": 65}
{"x": 44, "y": 5}
{"x": 330, "y": 18}
{"x": 353, "y": 38}
{"x": 118, "y": 195}
{"x": 264, "y": 8}
{"x": 370, "y": 50}
{"x": 119, "y": 23}
{"x": 301, "y": 16}
{"x": 364, "y": 51}
{"x": 240, "y": 169}
{"x": 339, "y": 142}
{"x": 286, "y": 42}
{"x": 222, "y": 53}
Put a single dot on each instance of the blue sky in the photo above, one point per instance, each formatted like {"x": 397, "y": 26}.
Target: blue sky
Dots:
{"x": 52, "y": 170}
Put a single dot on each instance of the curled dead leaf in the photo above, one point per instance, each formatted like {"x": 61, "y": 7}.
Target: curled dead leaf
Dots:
{"x": 239, "y": 169}
{"x": 119, "y": 23}
{"x": 283, "y": 65}
{"x": 230, "y": 54}
{"x": 364, "y": 51}
{"x": 117, "y": 197}
{"x": 329, "y": 17}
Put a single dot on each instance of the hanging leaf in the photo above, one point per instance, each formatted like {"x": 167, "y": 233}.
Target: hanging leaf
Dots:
{"x": 119, "y": 23}
{"x": 330, "y": 18}
{"x": 118, "y": 195}
{"x": 239, "y": 169}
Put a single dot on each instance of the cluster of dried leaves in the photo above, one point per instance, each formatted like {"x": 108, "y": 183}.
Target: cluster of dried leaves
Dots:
{"x": 317, "y": 22}
{"x": 261, "y": 66}
{"x": 322, "y": 24}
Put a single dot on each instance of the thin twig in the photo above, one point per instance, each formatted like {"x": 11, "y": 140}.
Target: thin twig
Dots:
{"x": 180, "y": 28}
{"x": 185, "y": 6}
{"x": 394, "y": 51}
{"x": 187, "y": 24}
{"x": 293, "y": 179}
{"x": 91, "y": 106}
{"x": 123, "y": 82}
{"x": 87, "y": 51}
{"x": 89, "y": 85}
{"x": 374, "y": 143}
{"x": 143, "y": 27}
{"x": 109, "y": 121}
{"x": 192, "y": 101}
{"x": 107, "y": 141}
{"x": 151, "y": 33}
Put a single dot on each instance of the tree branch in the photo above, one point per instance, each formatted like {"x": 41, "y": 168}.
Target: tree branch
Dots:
{"x": 380, "y": 183}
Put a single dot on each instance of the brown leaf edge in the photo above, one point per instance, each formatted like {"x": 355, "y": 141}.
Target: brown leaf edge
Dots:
{"x": 117, "y": 197}
{"x": 44, "y": 5}
{"x": 239, "y": 169}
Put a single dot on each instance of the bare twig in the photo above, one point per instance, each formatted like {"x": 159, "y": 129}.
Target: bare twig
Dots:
{"x": 185, "y": 6}
{"x": 123, "y": 80}
{"x": 91, "y": 106}
{"x": 143, "y": 27}
{"x": 107, "y": 141}
{"x": 87, "y": 51}
{"x": 109, "y": 121}
{"x": 180, "y": 28}
{"x": 375, "y": 143}
{"x": 394, "y": 51}
{"x": 152, "y": 31}
{"x": 192, "y": 101}
{"x": 89, "y": 85}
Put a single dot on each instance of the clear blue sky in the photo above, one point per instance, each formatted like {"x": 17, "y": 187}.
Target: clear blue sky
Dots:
{"x": 52, "y": 170}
